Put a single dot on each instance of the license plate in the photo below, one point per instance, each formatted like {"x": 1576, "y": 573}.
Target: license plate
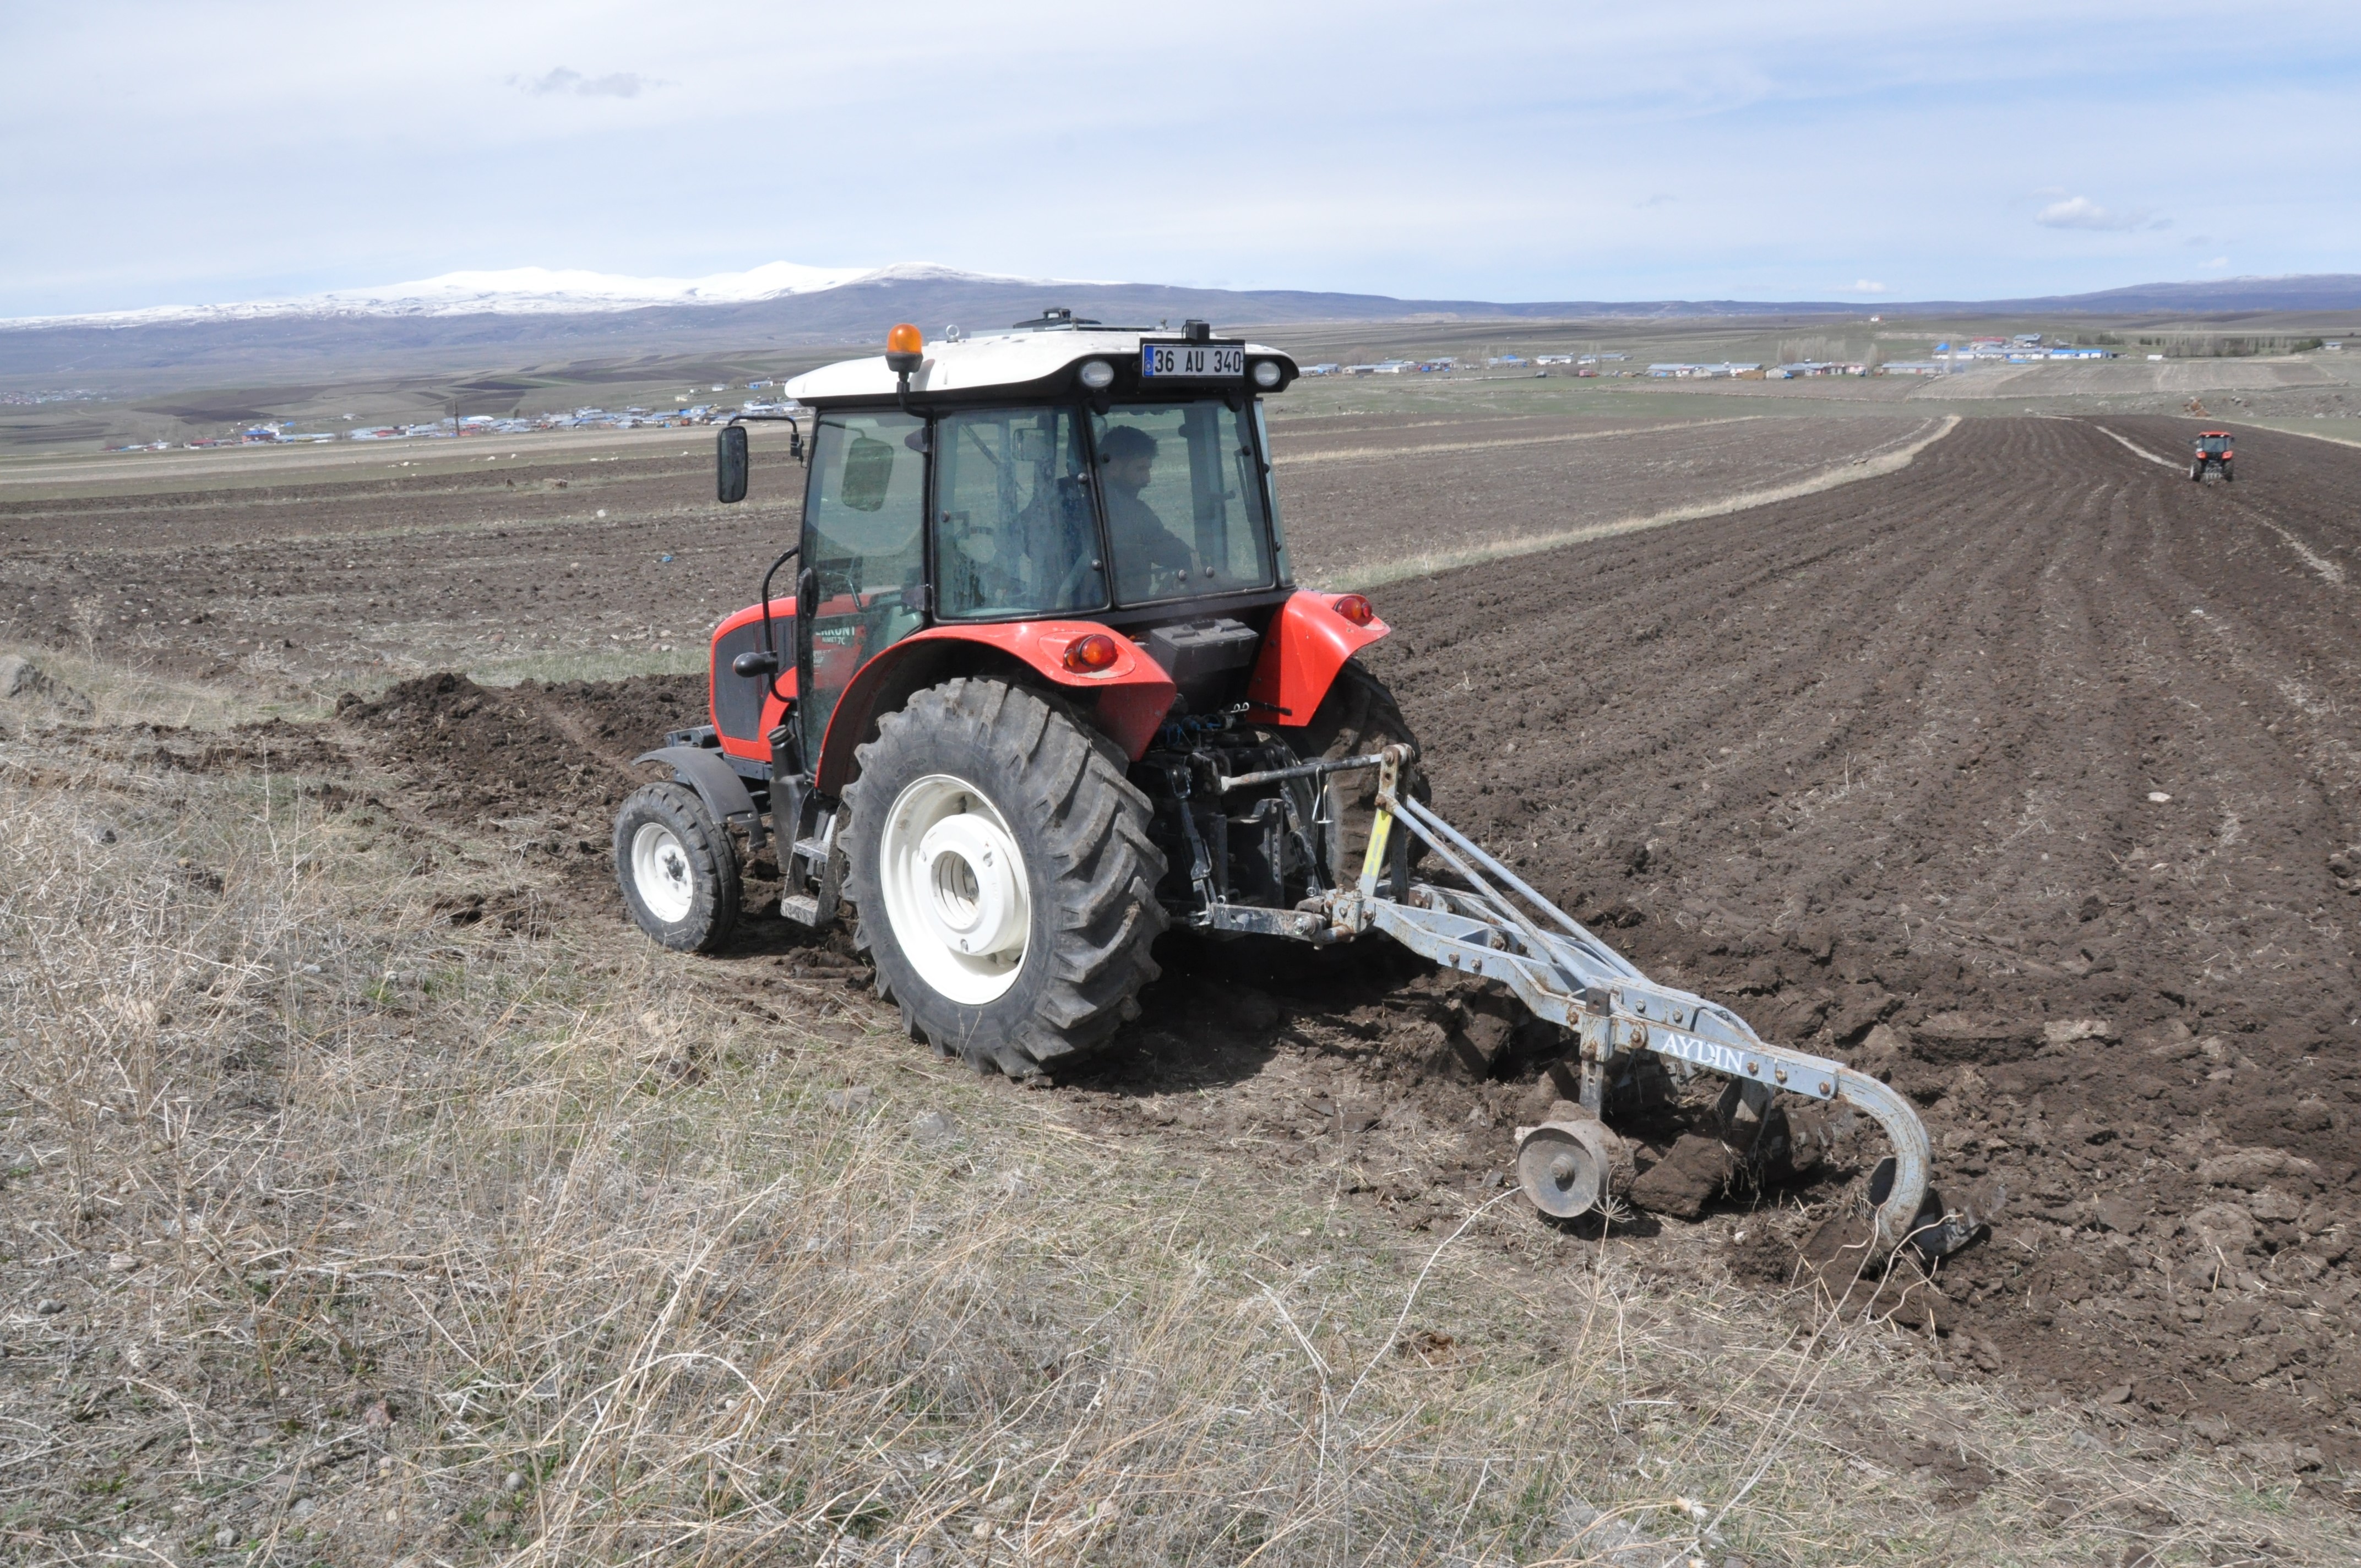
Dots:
{"x": 1198, "y": 360}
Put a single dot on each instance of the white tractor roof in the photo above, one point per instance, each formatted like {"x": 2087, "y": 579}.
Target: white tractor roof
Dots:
{"x": 985, "y": 361}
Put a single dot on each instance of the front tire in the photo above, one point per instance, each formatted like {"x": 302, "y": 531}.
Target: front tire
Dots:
{"x": 1003, "y": 877}
{"x": 677, "y": 869}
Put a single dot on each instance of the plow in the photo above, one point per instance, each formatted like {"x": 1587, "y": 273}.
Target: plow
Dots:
{"x": 1045, "y": 689}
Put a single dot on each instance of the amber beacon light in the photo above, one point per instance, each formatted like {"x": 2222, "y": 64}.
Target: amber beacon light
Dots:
{"x": 905, "y": 346}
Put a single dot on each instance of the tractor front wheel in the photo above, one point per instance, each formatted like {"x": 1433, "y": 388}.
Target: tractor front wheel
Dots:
{"x": 1003, "y": 876}
{"x": 677, "y": 869}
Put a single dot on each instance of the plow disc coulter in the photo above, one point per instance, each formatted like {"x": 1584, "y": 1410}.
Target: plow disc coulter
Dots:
{"x": 1045, "y": 688}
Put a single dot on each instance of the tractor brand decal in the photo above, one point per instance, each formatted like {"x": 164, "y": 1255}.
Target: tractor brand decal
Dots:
{"x": 1705, "y": 1053}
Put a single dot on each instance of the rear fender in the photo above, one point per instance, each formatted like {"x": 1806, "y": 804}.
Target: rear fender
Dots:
{"x": 1126, "y": 701}
{"x": 1306, "y": 644}
{"x": 745, "y": 710}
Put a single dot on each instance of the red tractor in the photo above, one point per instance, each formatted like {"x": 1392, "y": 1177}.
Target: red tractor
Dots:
{"x": 1045, "y": 687}
{"x": 2212, "y": 452}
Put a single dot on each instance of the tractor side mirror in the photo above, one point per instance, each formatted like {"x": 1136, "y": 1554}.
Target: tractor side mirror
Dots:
{"x": 730, "y": 464}
{"x": 753, "y": 666}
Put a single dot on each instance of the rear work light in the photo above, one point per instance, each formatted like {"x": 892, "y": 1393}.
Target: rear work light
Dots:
{"x": 1097, "y": 374}
{"x": 1355, "y": 608}
{"x": 1091, "y": 654}
{"x": 1265, "y": 373}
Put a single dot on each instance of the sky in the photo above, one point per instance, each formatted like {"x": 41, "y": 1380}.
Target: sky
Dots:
{"x": 198, "y": 153}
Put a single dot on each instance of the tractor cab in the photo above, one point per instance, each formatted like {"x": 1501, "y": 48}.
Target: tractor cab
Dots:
{"x": 2212, "y": 452}
{"x": 1054, "y": 473}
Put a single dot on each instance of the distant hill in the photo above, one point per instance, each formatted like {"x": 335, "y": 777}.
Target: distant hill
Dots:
{"x": 535, "y": 316}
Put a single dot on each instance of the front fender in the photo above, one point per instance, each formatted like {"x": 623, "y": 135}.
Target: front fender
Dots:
{"x": 716, "y": 782}
{"x": 1127, "y": 701}
{"x": 1306, "y": 643}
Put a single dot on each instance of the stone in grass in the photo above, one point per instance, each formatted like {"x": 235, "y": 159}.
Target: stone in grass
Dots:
{"x": 21, "y": 680}
{"x": 845, "y": 1102}
{"x": 933, "y": 1128}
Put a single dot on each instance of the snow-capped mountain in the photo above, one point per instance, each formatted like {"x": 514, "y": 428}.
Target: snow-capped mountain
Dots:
{"x": 532, "y": 291}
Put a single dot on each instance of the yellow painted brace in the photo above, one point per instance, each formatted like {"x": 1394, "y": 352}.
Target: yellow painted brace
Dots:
{"x": 1380, "y": 829}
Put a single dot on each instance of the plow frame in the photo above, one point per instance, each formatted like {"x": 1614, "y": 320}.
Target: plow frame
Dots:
{"x": 1500, "y": 929}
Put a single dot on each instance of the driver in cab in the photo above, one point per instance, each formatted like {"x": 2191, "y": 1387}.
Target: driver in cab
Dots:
{"x": 1150, "y": 559}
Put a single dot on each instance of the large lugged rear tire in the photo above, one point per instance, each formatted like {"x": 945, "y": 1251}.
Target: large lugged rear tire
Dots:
{"x": 1357, "y": 717}
{"x": 1004, "y": 882}
{"x": 677, "y": 869}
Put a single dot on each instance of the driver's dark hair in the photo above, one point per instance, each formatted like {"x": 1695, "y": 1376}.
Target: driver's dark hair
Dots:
{"x": 1126, "y": 441}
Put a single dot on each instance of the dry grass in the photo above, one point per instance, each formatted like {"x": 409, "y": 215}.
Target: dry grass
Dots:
{"x": 338, "y": 1234}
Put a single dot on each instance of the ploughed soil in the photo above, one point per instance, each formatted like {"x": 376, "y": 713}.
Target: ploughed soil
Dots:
{"x": 439, "y": 556}
{"x": 2027, "y": 776}
{"x": 2024, "y": 777}
{"x": 1347, "y": 486}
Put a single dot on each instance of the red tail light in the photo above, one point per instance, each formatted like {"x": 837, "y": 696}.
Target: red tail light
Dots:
{"x": 1355, "y": 608}
{"x": 1089, "y": 655}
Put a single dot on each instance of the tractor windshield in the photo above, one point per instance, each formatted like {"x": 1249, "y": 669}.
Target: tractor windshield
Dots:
{"x": 1182, "y": 487}
{"x": 2213, "y": 445}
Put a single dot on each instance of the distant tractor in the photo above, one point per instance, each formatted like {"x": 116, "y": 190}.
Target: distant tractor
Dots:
{"x": 2212, "y": 452}
{"x": 1045, "y": 687}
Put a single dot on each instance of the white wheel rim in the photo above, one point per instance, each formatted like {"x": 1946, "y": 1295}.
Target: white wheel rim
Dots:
{"x": 956, "y": 892}
{"x": 660, "y": 869}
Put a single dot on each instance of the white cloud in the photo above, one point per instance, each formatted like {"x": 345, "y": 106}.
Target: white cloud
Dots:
{"x": 2219, "y": 261}
{"x": 1864, "y": 286}
{"x": 2081, "y": 212}
{"x": 563, "y": 79}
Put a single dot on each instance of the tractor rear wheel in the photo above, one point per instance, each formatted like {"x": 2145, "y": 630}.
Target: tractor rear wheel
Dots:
{"x": 1003, "y": 877}
{"x": 1358, "y": 717}
{"x": 677, "y": 869}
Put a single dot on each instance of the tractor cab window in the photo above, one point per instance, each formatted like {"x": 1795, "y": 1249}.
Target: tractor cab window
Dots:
{"x": 1015, "y": 534}
{"x": 864, "y": 541}
{"x": 1278, "y": 527}
{"x": 2213, "y": 444}
{"x": 1182, "y": 487}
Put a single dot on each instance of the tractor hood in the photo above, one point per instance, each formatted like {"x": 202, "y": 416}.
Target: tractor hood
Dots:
{"x": 1032, "y": 362}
